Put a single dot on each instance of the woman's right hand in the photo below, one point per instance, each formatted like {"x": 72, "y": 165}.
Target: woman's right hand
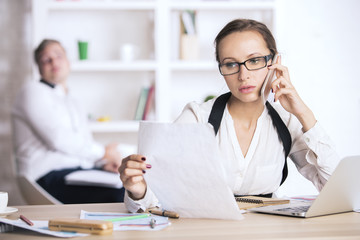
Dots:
{"x": 132, "y": 170}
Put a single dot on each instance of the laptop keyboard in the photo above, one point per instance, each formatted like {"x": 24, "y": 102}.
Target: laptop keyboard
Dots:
{"x": 298, "y": 209}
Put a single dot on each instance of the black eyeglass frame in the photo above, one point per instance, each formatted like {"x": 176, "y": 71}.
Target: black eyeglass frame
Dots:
{"x": 267, "y": 58}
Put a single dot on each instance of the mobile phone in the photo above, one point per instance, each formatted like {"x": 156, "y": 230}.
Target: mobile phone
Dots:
{"x": 265, "y": 89}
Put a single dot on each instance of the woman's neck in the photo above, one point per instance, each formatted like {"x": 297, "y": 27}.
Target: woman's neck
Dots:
{"x": 245, "y": 113}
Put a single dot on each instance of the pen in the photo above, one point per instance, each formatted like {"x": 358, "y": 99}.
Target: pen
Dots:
{"x": 164, "y": 213}
{"x": 27, "y": 221}
{"x": 128, "y": 217}
{"x": 152, "y": 223}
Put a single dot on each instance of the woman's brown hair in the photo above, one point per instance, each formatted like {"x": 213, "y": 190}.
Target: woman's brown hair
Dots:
{"x": 241, "y": 25}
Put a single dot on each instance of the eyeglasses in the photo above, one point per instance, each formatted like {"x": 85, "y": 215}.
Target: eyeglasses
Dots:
{"x": 251, "y": 64}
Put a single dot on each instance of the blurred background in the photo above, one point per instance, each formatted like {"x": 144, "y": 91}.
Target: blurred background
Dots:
{"x": 133, "y": 45}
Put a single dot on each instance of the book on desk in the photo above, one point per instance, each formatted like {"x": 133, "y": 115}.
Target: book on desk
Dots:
{"x": 248, "y": 202}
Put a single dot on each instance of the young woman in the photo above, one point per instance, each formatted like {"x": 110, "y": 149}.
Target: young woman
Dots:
{"x": 254, "y": 139}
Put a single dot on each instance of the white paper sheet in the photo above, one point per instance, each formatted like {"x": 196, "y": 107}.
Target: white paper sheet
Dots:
{"x": 41, "y": 227}
{"x": 186, "y": 175}
{"x": 140, "y": 224}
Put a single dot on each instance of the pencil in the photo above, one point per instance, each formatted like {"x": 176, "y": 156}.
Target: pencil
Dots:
{"x": 128, "y": 217}
{"x": 27, "y": 221}
{"x": 164, "y": 213}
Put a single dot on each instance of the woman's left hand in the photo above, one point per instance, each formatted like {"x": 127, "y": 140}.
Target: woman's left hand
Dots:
{"x": 288, "y": 97}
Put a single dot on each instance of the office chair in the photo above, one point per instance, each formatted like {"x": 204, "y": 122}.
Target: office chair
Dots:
{"x": 33, "y": 193}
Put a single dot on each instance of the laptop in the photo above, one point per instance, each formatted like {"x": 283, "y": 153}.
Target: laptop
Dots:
{"x": 340, "y": 194}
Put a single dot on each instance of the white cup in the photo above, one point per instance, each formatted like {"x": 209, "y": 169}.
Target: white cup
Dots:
{"x": 3, "y": 201}
{"x": 128, "y": 52}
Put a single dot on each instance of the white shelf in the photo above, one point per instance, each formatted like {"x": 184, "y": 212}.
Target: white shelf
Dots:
{"x": 102, "y": 5}
{"x": 221, "y": 5}
{"x": 153, "y": 26}
{"x": 114, "y": 126}
{"x": 88, "y": 65}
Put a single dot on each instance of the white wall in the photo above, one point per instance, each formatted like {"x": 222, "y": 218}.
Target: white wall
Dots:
{"x": 320, "y": 43}
{"x": 15, "y": 68}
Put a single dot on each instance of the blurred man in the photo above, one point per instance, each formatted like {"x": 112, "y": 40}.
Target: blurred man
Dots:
{"x": 51, "y": 133}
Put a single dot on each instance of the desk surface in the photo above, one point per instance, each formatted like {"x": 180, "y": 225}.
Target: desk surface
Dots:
{"x": 253, "y": 226}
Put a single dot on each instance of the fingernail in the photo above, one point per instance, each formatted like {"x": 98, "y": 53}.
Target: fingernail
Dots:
{"x": 143, "y": 158}
{"x": 144, "y": 171}
{"x": 148, "y": 166}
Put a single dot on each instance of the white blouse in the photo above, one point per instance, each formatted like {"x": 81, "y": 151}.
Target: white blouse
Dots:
{"x": 260, "y": 171}
{"x": 51, "y": 131}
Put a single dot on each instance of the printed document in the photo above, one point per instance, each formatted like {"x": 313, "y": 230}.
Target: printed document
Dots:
{"x": 187, "y": 175}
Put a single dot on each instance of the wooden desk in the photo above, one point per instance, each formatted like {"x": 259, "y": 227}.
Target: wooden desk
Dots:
{"x": 254, "y": 226}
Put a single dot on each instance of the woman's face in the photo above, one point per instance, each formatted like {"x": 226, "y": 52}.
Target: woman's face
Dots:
{"x": 239, "y": 47}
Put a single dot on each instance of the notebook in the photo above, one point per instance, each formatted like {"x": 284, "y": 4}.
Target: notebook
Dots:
{"x": 340, "y": 194}
{"x": 93, "y": 177}
{"x": 248, "y": 202}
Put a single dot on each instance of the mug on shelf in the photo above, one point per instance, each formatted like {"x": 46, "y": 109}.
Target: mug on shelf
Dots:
{"x": 128, "y": 52}
{"x": 83, "y": 49}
